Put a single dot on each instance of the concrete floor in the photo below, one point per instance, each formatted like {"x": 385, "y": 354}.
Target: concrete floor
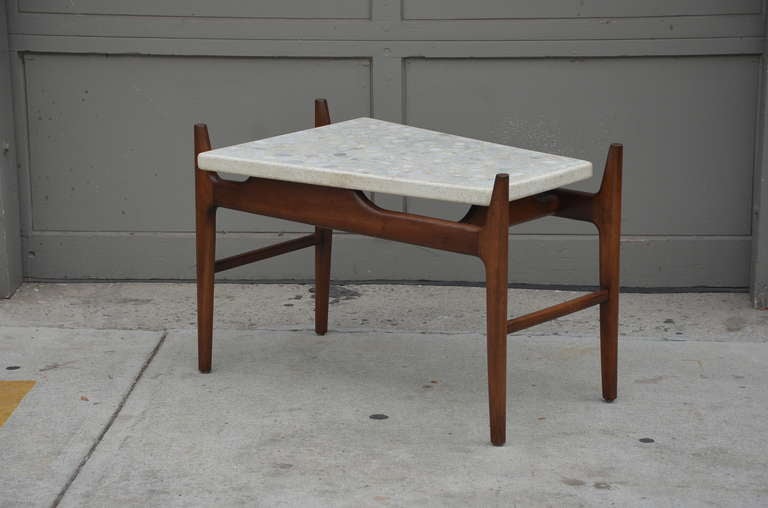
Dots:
{"x": 120, "y": 417}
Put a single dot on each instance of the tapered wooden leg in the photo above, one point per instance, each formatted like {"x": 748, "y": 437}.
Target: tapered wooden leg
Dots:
{"x": 496, "y": 343}
{"x": 323, "y": 247}
{"x": 322, "y": 114}
{"x": 322, "y": 278}
{"x": 205, "y": 230}
{"x": 493, "y": 250}
{"x": 609, "y": 227}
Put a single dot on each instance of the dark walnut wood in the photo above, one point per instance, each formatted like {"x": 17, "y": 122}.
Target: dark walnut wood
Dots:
{"x": 323, "y": 246}
{"x": 483, "y": 232}
{"x": 492, "y": 249}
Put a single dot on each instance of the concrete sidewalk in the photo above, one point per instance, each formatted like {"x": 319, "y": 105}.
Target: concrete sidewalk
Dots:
{"x": 120, "y": 417}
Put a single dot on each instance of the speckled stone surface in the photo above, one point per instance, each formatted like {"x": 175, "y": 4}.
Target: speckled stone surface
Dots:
{"x": 373, "y": 155}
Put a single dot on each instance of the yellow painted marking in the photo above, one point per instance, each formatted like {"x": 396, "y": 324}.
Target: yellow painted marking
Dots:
{"x": 11, "y": 393}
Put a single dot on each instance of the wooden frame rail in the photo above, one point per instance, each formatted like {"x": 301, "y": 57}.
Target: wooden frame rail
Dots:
{"x": 482, "y": 232}
{"x": 556, "y": 311}
{"x": 350, "y": 211}
{"x": 266, "y": 252}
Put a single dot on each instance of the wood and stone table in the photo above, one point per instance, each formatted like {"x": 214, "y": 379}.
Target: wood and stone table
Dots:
{"x": 319, "y": 176}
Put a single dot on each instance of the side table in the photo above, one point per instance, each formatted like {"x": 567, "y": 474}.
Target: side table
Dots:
{"x": 319, "y": 177}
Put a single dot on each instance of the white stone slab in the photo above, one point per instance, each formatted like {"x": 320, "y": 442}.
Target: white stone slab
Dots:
{"x": 373, "y": 155}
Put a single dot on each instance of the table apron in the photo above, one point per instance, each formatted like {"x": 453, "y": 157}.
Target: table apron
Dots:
{"x": 345, "y": 210}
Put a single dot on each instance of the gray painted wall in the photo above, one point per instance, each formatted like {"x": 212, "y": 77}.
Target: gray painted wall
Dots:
{"x": 10, "y": 241}
{"x": 759, "y": 278}
{"x": 107, "y": 91}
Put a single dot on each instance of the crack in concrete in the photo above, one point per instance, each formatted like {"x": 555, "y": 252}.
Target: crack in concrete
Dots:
{"x": 112, "y": 419}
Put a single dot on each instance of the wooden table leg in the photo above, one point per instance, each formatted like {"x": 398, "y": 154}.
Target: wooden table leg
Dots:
{"x": 205, "y": 229}
{"x": 323, "y": 247}
{"x": 609, "y": 228}
{"x": 493, "y": 251}
{"x": 322, "y": 278}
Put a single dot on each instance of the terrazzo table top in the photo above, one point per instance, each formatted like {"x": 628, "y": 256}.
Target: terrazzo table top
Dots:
{"x": 377, "y": 156}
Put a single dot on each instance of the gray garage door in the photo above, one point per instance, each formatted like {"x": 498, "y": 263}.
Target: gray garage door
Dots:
{"x": 106, "y": 92}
